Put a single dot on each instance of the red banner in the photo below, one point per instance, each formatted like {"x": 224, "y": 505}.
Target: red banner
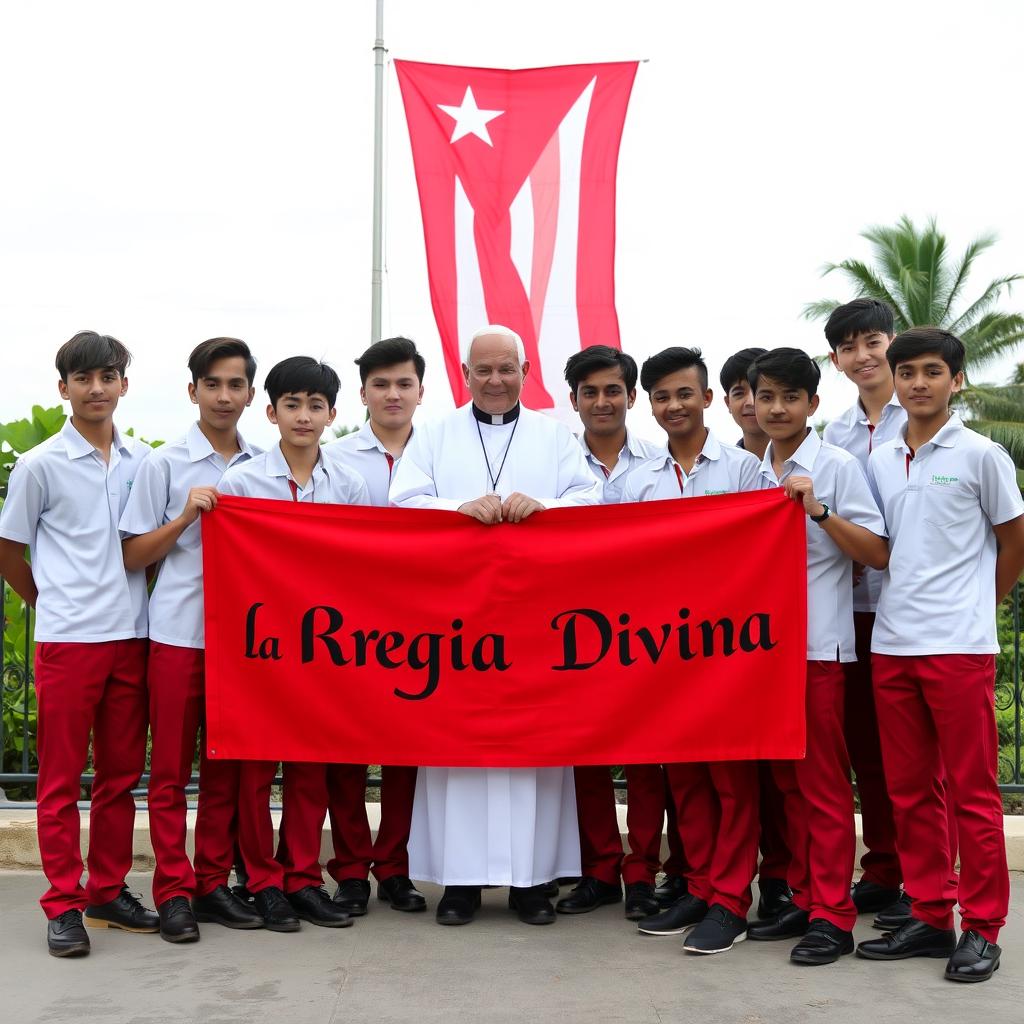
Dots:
{"x": 619, "y": 634}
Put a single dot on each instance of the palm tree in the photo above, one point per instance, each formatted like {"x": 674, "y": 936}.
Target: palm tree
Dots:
{"x": 912, "y": 271}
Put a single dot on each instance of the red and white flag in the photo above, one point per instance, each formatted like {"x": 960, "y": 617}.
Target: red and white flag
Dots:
{"x": 516, "y": 176}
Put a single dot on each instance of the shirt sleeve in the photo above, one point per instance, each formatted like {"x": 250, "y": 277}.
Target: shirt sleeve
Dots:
{"x": 750, "y": 474}
{"x": 1000, "y": 495}
{"x": 229, "y": 483}
{"x": 22, "y": 507}
{"x": 830, "y": 433}
{"x": 148, "y": 500}
{"x": 413, "y": 483}
{"x": 870, "y": 473}
{"x": 577, "y": 485}
{"x": 854, "y": 501}
{"x": 360, "y": 492}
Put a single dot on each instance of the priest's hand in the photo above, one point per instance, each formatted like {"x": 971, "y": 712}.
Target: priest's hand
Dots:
{"x": 487, "y": 509}
{"x": 519, "y": 506}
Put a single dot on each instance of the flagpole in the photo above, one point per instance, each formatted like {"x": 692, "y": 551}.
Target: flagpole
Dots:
{"x": 378, "y": 176}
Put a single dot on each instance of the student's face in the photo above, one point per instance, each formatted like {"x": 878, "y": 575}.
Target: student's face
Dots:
{"x": 391, "y": 395}
{"x": 494, "y": 374}
{"x": 862, "y": 358}
{"x": 301, "y": 418}
{"x": 93, "y": 394}
{"x": 924, "y": 385}
{"x": 602, "y": 401}
{"x": 222, "y": 393}
{"x": 739, "y": 400}
{"x": 678, "y": 402}
{"x": 782, "y": 411}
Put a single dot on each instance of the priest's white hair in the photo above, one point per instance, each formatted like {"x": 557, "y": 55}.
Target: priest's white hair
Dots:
{"x": 502, "y": 332}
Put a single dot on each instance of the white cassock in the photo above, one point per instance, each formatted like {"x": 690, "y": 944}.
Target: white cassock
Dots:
{"x": 493, "y": 826}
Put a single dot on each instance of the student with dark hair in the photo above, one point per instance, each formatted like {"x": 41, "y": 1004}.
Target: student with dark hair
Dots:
{"x": 858, "y": 334}
{"x": 716, "y": 804}
{"x": 956, "y": 521}
{"x": 302, "y": 395}
{"x": 602, "y": 389}
{"x": 161, "y": 527}
{"x": 739, "y": 399}
{"x": 63, "y": 502}
{"x": 844, "y": 526}
{"x": 391, "y": 374}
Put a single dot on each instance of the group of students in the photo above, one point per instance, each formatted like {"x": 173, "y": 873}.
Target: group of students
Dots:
{"x": 915, "y": 531}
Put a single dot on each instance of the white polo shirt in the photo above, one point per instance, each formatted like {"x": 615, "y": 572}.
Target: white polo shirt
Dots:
{"x": 855, "y": 433}
{"x": 363, "y": 453}
{"x": 267, "y": 476}
{"x": 839, "y": 482}
{"x": 64, "y": 502}
{"x": 634, "y": 453}
{"x": 719, "y": 469}
{"x": 938, "y": 593}
{"x": 158, "y": 497}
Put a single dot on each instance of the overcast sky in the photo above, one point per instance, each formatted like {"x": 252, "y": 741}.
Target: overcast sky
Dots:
{"x": 177, "y": 171}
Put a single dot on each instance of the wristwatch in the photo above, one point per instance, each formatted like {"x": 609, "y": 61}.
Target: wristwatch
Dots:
{"x": 824, "y": 515}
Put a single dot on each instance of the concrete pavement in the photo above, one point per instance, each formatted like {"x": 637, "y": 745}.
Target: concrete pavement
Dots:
{"x": 393, "y": 967}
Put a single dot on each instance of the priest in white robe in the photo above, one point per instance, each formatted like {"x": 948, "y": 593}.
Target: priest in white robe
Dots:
{"x": 495, "y": 461}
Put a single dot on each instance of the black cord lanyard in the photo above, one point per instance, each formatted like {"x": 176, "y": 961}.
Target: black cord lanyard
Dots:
{"x": 487, "y": 462}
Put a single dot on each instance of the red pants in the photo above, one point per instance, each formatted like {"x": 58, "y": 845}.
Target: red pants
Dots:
{"x": 256, "y": 827}
{"x": 175, "y": 678}
{"x": 600, "y": 842}
{"x": 304, "y": 809}
{"x": 717, "y": 810}
{"x": 82, "y": 688}
{"x": 933, "y": 712}
{"x": 819, "y": 805}
{"x": 355, "y": 851}
{"x": 774, "y": 848}
{"x": 881, "y": 863}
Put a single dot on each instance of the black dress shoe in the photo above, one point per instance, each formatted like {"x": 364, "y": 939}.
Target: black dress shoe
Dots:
{"x": 124, "y": 911}
{"x": 870, "y": 897}
{"x": 687, "y": 911}
{"x": 353, "y": 896}
{"x": 458, "y": 904}
{"x": 975, "y": 959}
{"x": 789, "y": 924}
{"x": 775, "y": 896}
{"x": 399, "y": 891}
{"x": 241, "y": 891}
{"x": 65, "y": 935}
{"x": 531, "y": 905}
{"x": 590, "y": 894}
{"x": 914, "y": 938}
{"x": 551, "y": 889}
{"x": 893, "y": 916}
{"x": 640, "y": 901}
{"x": 275, "y": 910}
{"x": 177, "y": 922}
{"x": 823, "y": 943}
{"x": 311, "y": 903}
{"x": 223, "y": 906}
{"x": 569, "y": 880}
{"x": 670, "y": 889}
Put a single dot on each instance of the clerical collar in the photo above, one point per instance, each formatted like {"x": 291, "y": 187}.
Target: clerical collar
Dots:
{"x": 497, "y": 419}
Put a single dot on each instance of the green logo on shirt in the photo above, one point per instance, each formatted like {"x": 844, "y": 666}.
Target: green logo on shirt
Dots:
{"x": 939, "y": 478}
{"x": 716, "y": 492}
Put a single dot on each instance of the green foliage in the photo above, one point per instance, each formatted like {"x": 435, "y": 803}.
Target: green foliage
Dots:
{"x": 1006, "y": 694}
{"x": 20, "y": 436}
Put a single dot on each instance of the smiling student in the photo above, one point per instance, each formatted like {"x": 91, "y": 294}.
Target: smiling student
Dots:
{"x": 739, "y": 400}
{"x": 63, "y": 502}
{"x": 844, "y": 526}
{"x": 955, "y": 515}
{"x": 302, "y": 394}
{"x": 161, "y": 527}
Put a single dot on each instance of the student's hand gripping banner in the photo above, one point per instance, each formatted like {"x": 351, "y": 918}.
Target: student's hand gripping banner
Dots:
{"x": 621, "y": 634}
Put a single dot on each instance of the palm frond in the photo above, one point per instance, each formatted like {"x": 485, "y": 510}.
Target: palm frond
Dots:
{"x": 819, "y": 310}
{"x": 984, "y": 302}
{"x": 870, "y": 285}
{"x": 988, "y": 402}
{"x": 963, "y": 271}
{"x": 995, "y": 334}
{"x": 1009, "y": 434}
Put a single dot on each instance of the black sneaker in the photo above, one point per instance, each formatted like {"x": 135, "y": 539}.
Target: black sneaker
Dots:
{"x": 720, "y": 930}
{"x": 640, "y": 901}
{"x": 353, "y": 896}
{"x": 177, "y": 922}
{"x": 124, "y": 911}
{"x": 277, "y": 912}
{"x": 65, "y": 935}
{"x": 683, "y": 914}
{"x": 312, "y": 904}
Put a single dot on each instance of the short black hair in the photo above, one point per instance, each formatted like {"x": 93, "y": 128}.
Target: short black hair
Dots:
{"x": 88, "y": 350}
{"x": 862, "y": 316}
{"x": 736, "y": 366}
{"x": 921, "y": 341}
{"x": 390, "y": 352}
{"x": 206, "y": 353}
{"x": 792, "y": 367}
{"x": 582, "y": 364}
{"x": 668, "y": 361}
{"x": 298, "y": 375}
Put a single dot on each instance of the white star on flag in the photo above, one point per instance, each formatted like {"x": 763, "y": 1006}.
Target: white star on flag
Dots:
{"x": 470, "y": 119}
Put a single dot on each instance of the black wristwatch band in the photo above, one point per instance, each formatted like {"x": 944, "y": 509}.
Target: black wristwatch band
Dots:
{"x": 824, "y": 515}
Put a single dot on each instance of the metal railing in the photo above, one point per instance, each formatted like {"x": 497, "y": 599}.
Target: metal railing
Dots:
{"x": 17, "y": 723}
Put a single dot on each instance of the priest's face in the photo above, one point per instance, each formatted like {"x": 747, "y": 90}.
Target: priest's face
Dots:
{"x": 494, "y": 374}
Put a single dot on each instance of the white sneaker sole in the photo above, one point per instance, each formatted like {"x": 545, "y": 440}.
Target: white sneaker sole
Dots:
{"x": 710, "y": 952}
{"x": 675, "y": 931}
